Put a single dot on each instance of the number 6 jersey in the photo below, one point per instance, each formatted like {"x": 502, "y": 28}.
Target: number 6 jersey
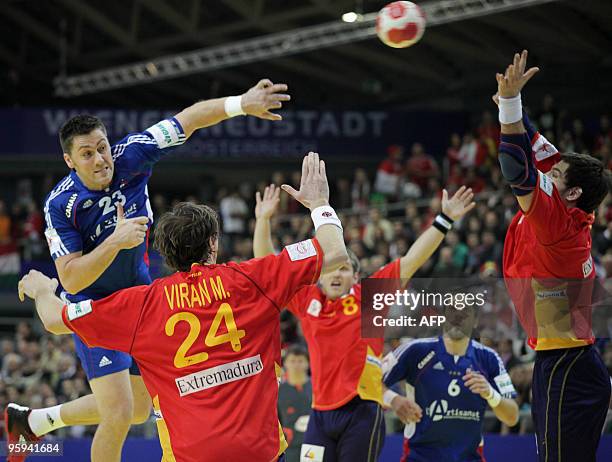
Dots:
{"x": 208, "y": 345}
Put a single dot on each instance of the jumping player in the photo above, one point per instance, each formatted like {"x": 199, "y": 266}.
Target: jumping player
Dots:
{"x": 97, "y": 220}
{"x": 346, "y": 422}
{"x": 453, "y": 378}
{"x": 207, "y": 338}
{"x": 549, "y": 272}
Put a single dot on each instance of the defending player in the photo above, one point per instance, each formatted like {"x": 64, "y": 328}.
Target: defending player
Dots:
{"x": 97, "y": 225}
{"x": 346, "y": 423}
{"x": 549, "y": 270}
{"x": 207, "y": 338}
{"x": 453, "y": 378}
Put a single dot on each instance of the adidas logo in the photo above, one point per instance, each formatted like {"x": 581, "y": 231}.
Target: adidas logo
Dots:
{"x": 50, "y": 419}
{"x": 438, "y": 366}
{"x": 104, "y": 362}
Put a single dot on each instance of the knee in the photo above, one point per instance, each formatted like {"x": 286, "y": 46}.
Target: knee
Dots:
{"x": 117, "y": 413}
{"x": 142, "y": 410}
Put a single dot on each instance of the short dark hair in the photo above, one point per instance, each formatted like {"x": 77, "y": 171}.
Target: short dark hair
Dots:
{"x": 354, "y": 261}
{"x": 296, "y": 350}
{"x": 590, "y": 174}
{"x": 78, "y": 125}
{"x": 182, "y": 235}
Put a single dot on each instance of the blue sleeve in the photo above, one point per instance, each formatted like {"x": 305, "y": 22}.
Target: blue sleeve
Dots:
{"x": 516, "y": 162}
{"x": 498, "y": 376}
{"x": 399, "y": 365}
{"x": 62, "y": 235}
{"x": 531, "y": 131}
{"x": 139, "y": 151}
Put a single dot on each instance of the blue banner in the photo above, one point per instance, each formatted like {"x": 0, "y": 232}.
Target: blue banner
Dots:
{"x": 336, "y": 133}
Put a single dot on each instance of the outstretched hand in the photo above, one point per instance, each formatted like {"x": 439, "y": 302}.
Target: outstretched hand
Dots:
{"x": 458, "y": 205}
{"x": 266, "y": 207}
{"x": 314, "y": 189}
{"x": 260, "y": 99}
{"x": 514, "y": 79}
{"x": 35, "y": 283}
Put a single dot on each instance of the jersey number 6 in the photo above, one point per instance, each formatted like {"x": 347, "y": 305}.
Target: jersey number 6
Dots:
{"x": 232, "y": 336}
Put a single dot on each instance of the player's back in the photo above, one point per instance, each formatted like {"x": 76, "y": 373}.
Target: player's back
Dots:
{"x": 208, "y": 346}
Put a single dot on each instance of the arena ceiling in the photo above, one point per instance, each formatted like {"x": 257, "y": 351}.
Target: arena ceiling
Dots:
{"x": 451, "y": 68}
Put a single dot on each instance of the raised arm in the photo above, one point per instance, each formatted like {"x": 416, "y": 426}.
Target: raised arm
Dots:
{"x": 264, "y": 210}
{"x": 515, "y": 156}
{"x": 314, "y": 195}
{"x": 257, "y": 101}
{"x": 427, "y": 243}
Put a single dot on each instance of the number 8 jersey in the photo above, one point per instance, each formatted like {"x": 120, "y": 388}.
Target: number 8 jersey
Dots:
{"x": 207, "y": 343}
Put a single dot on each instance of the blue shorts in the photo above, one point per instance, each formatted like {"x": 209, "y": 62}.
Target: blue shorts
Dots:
{"x": 354, "y": 432}
{"x": 571, "y": 393}
{"x": 98, "y": 362}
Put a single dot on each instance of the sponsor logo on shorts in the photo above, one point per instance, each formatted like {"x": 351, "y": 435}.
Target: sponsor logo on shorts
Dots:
{"x": 311, "y": 453}
{"x": 219, "y": 375}
{"x": 104, "y": 362}
{"x": 504, "y": 383}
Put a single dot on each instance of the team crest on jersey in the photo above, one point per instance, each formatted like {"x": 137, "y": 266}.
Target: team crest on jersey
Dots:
{"x": 88, "y": 203}
{"x": 314, "y": 309}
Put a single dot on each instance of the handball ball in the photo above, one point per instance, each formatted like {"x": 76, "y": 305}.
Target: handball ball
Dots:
{"x": 400, "y": 24}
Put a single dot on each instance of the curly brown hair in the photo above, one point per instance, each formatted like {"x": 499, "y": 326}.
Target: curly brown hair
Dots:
{"x": 183, "y": 235}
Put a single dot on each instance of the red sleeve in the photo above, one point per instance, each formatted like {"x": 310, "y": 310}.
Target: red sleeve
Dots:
{"x": 281, "y": 276}
{"x": 110, "y": 322}
{"x": 297, "y": 304}
{"x": 389, "y": 271}
{"x": 548, "y": 214}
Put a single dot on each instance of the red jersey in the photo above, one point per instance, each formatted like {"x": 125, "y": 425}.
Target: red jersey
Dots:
{"x": 549, "y": 270}
{"x": 343, "y": 364}
{"x": 207, "y": 343}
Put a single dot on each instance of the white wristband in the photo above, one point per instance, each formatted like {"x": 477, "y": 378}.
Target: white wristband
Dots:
{"x": 233, "y": 106}
{"x": 510, "y": 109}
{"x": 325, "y": 215}
{"x": 388, "y": 397}
{"x": 494, "y": 398}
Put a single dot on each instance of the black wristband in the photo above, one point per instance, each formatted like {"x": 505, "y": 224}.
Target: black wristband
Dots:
{"x": 446, "y": 217}
{"x": 440, "y": 227}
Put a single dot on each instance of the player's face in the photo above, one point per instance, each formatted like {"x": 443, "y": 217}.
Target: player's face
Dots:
{"x": 91, "y": 157}
{"x": 296, "y": 364}
{"x": 338, "y": 283}
{"x": 459, "y": 323}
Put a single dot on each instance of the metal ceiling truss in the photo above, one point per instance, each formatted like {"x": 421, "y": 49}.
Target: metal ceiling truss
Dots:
{"x": 265, "y": 47}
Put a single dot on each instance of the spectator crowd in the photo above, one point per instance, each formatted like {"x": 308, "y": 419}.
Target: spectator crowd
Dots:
{"x": 383, "y": 211}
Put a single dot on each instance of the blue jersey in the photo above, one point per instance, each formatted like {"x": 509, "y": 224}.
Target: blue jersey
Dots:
{"x": 451, "y": 426}
{"x": 79, "y": 219}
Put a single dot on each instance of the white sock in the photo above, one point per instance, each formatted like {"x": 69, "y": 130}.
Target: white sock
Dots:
{"x": 43, "y": 421}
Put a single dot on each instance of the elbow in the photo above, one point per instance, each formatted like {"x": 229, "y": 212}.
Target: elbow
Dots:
{"x": 513, "y": 415}
{"x": 53, "y": 327}
{"x": 70, "y": 285}
{"x": 335, "y": 258}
